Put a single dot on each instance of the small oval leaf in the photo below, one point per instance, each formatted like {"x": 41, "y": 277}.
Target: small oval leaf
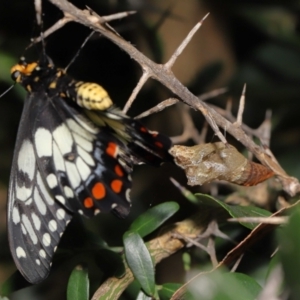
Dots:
{"x": 153, "y": 218}
{"x": 78, "y": 285}
{"x": 139, "y": 261}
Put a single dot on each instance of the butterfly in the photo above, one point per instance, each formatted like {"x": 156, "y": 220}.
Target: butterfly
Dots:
{"x": 74, "y": 153}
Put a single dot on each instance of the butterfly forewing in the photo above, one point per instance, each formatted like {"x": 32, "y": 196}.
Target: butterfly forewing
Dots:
{"x": 62, "y": 164}
{"x": 35, "y": 220}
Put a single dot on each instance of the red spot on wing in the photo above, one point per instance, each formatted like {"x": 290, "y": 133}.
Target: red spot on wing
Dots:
{"x": 112, "y": 149}
{"x": 88, "y": 202}
{"x": 143, "y": 129}
{"x": 119, "y": 171}
{"x": 98, "y": 191}
{"x": 116, "y": 185}
{"x": 159, "y": 144}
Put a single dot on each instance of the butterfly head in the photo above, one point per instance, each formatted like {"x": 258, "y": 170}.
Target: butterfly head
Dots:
{"x": 26, "y": 73}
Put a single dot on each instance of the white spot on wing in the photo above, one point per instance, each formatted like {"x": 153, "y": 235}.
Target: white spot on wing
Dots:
{"x": 23, "y": 229}
{"x": 60, "y": 214}
{"x": 52, "y": 181}
{"x": 29, "y": 229}
{"x": 127, "y": 195}
{"x": 73, "y": 174}
{"x": 88, "y": 146}
{"x": 26, "y": 159}
{"x": 38, "y": 262}
{"x": 44, "y": 191}
{"x": 43, "y": 142}
{"x": 68, "y": 192}
{"x": 20, "y": 252}
{"x": 42, "y": 253}
{"x": 46, "y": 239}
{"x": 28, "y": 201}
{"x": 86, "y": 124}
{"x": 84, "y": 170}
{"x": 58, "y": 159}
{"x": 60, "y": 199}
{"x": 39, "y": 202}
{"x": 85, "y": 156}
{"x": 23, "y": 193}
{"x": 75, "y": 127}
{"x": 36, "y": 221}
{"x": 15, "y": 215}
{"x": 52, "y": 225}
{"x": 63, "y": 138}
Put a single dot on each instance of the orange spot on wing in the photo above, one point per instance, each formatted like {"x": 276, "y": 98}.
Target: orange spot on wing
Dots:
{"x": 112, "y": 149}
{"x": 159, "y": 144}
{"x": 119, "y": 171}
{"x": 88, "y": 202}
{"x": 98, "y": 191}
{"x": 116, "y": 185}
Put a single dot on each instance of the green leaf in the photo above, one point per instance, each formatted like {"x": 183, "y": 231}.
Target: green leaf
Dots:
{"x": 153, "y": 218}
{"x": 225, "y": 286}
{"x": 78, "y": 285}
{"x": 167, "y": 290}
{"x": 236, "y": 211}
{"x": 139, "y": 261}
{"x": 289, "y": 251}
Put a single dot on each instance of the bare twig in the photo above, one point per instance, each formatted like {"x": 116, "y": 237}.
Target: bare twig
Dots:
{"x": 136, "y": 90}
{"x": 159, "y": 107}
{"x": 185, "y": 42}
{"x": 239, "y": 119}
{"x": 171, "y": 101}
{"x": 67, "y": 18}
{"x": 38, "y": 10}
{"x": 236, "y": 264}
{"x": 267, "y": 220}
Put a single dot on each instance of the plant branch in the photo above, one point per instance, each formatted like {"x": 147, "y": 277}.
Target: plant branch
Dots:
{"x": 164, "y": 75}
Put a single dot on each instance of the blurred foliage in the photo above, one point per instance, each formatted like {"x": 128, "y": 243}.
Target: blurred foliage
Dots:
{"x": 262, "y": 38}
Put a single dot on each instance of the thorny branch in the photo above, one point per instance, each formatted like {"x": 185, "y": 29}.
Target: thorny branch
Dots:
{"x": 163, "y": 74}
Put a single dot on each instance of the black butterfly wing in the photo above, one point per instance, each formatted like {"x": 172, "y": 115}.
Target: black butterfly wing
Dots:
{"x": 35, "y": 220}
{"x": 62, "y": 164}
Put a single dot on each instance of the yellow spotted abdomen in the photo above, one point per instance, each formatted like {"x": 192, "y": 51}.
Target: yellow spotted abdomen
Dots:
{"x": 92, "y": 96}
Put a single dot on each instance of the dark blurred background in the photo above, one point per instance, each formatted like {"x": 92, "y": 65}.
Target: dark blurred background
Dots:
{"x": 253, "y": 42}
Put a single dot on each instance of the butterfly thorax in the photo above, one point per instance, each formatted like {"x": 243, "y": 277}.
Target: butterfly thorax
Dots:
{"x": 44, "y": 76}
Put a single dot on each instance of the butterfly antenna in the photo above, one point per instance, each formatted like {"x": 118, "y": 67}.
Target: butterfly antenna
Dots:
{"x": 5, "y": 92}
{"x": 79, "y": 50}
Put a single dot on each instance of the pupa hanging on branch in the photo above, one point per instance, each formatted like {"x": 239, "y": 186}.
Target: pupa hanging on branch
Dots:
{"x": 217, "y": 161}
